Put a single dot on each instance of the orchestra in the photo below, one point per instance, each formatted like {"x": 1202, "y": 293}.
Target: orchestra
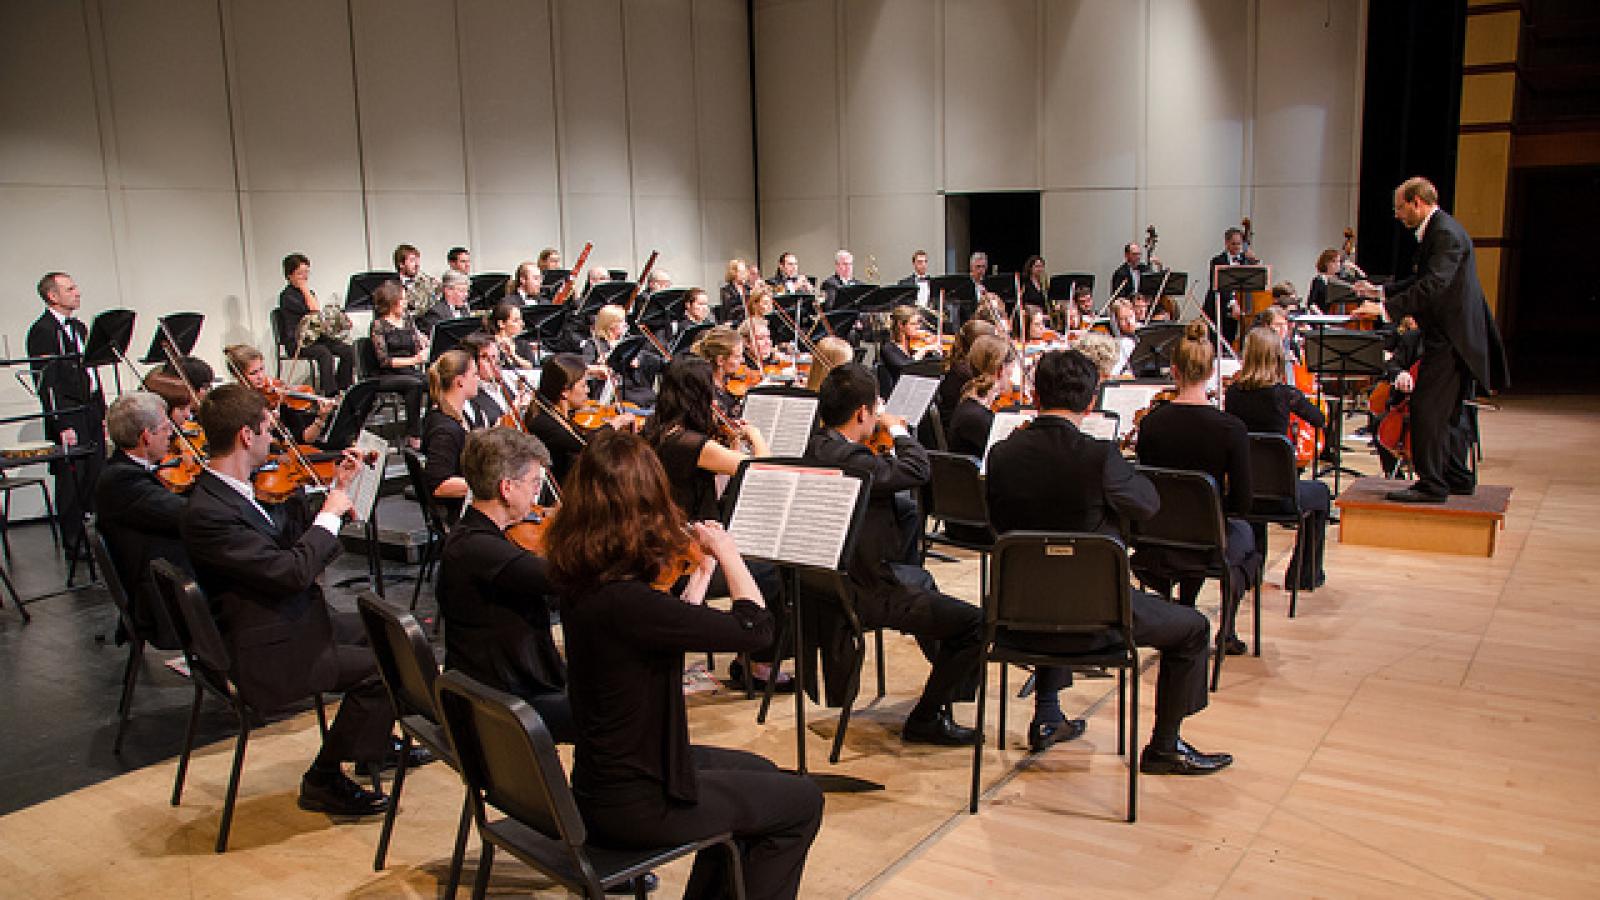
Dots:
{"x": 561, "y": 495}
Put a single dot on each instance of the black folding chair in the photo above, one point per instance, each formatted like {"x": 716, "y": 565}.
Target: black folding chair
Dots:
{"x": 130, "y": 628}
{"x": 432, "y": 517}
{"x": 1190, "y": 521}
{"x": 1031, "y": 597}
{"x": 209, "y": 663}
{"x": 406, "y": 662}
{"x": 508, "y": 761}
{"x": 959, "y": 498}
{"x": 1275, "y": 500}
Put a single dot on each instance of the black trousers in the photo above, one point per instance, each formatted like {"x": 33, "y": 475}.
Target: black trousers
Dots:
{"x": 1160, "y": 569}
{"x": 949, "y": 631}
{"x": 1315, "y": 498}
{"x": 772, "y": 815}
{"x": 364, "y": 725}
{"x": 76, "y": 477}
{"x": 324, "y": 354}
{"x": 1440, "y": 431}
{"x": 1181, "y": 633}
{"x": 412, "y": 388}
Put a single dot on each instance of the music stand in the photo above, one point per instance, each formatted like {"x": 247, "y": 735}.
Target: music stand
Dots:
{"x": 1062, "y": 287}
{"x": 802, "y": 308}
{"x": 1152, "y": 348}
{"x": 487, "y": 289}
{"x": 552, "y": 280}
{"x": 185, "y": 331}
{"x": 662, "y": 308}
{"x": 1342, "y": 355}
{"x": 110, "y": 334}
{"x": 358, "y": 293}
{"x": 601, "y": 294}
{"x": 447, "y": 335}
{"x": 959, "y": 294}
{"x": 686, "y": 338}
{"x": 618, "y": 274}
{"x": 547, "y": 322}
{"x": 1002, "y": 286}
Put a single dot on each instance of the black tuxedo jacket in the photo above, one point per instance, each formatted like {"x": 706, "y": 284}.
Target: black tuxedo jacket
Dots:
{"x": 440, "y": 311}
{"x": 64, "y": 383}
{"x": 1122, "y": 279}
{"x": 1052, "y": 477}
{"x": 732, "y": 306}
{"x": 880, "y": 540}
{"x": 261, "y": 580}
{"x": 294, "y": 308}
{"x": 140, "y": 519}
{"x": 1442, "y": 293}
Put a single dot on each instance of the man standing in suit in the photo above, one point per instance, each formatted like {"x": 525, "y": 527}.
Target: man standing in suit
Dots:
{"x": 920, "y": 278}
{"x": 1233, "y": 254}
{"x": 844, "y": 275}
{"x": 889, "y": 590}
{"x": 69, "y": 386}
{"x": 1461, "y": 348}
{"x": 1125, "y": 280}
{"x": 259, "y": 566}
{"x": 1091, "y": 488}
{"x": 452, "y": 303}
{"x": 138, "y": 516}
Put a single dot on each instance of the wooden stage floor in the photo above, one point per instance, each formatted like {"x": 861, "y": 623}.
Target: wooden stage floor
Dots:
{"x": 1427, "y": 726}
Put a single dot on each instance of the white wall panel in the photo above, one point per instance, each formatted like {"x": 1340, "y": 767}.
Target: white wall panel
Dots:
{"x": 509, "y": 106}
{"x": 512, "y": 228}
{"x": 1093, "y": 70}
{"x": 1191, "y": 221}
{"x": 722, "y": 102}
{"x": 432, "y": 223}
{"x": 409, "y": 90}
{"x": 891, "y": 120}
{"x": 1293, "y": 223}
{"x": 1084, "y": 231}
{"x": 1305, "y": 103}
{"x": 797, "y": 103}
{"x": 991, "y": 67}
{"x": 891, "y": 227}
{"x": 183, "y": 255}
{"x": 594, "y": 134}
{"x": 47, "y": 98}
{"x": 169, "y": 104}
{"x": 46, "y": 229}
{"x": 1198, "y": 99}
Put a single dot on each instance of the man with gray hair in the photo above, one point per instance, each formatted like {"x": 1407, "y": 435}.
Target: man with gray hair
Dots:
{"x": 452, "y": 304}
{"x": 844, "y": 275}
{"x": 138, "y": 516}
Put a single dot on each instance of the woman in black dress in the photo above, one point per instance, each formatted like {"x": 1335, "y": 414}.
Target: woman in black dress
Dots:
{"x": 637, "y": 780}
{"x": 957, "y": 372}
{"x": 1190, "y": 433}
{"x": 901, "y": 350}
{"x": 1259, "y": 397}
{"x": 453, "y": 382}
{"x": 552, "y": 417}
{"x": 401, "y": 350}
{"x": 968, "y": 430}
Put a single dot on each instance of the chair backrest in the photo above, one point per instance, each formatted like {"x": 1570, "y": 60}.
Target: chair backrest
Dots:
{"x": 1274, "y": 482}
{"x": 1190, "y": 517}
{"x": 1062, "y": 582}
{"x": 931, "y": 431}
{"x": 366, "y": 358}
{"x": 405, "y": 658}
{"x": 508, "y": 758}
{"x": 419, "y": 484}
{"x": 276, "y": 316}
{"x": 194, "y": 625}
{"x": 958, "y": 491}
{"x": 114, "y": 586}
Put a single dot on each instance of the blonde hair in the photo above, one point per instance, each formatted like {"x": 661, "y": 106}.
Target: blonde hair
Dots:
{"x": 1193, "y": 357}
{"x": 239, "y": 357}
{"x": 717, "y": 343}
{"x": 1102, "y": 350}
{"x": 831, "y": 353}
{"x": 731, "y": 273}
{"x": 609, "y": 315}
{"x": 1263, "y": 360}
{"x": 442, "y": 375}
{"x": 969, "y": 332}
{"x": 987, "y": 358}
{"x": 761, "y": 299}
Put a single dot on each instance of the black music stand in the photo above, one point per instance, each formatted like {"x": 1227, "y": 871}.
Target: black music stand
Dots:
{"x": 1342, "y": 355}
{"x": 662, "y": 308}
{"x": 601, "y": 294}
{"x": 960, "y": 296}
{"x": 684, "y": 343}
{"x": 487, "y": 289}
{"x": 358, "y": 293}
{"x": 448, "y": 333}
{"x": 1062, "y": 287}
{"x": 184, "y": 329}
{"x": 110, "y": 335}
{"x": 1152, "y": 349}
{"x": 547, "y": 323}
{"x": 552, "y": 280}
{"x": 1004, "y": 287}
{"x": 802, "y": 309}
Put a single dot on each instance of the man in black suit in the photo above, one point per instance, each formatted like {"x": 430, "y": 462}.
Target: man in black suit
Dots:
{"x": 67, "y": 385}
{"x": 1233, "y": 254}
{"x": 1125, "y": 280}
{"x": 493, "y": 594}
{"x": 452, "y": 302}
{"x": 1461, "y": 349}
{"x": 138, "y": 516}
{"x": 1090, "y": 488}
{"x": 844, "y": 275}
{"x": 920, "y": 278}
{"x": 888, "y": 589}
{"x": 259, "y": 567}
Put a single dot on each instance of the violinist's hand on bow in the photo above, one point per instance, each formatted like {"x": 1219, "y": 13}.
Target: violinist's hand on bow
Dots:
{"x": 1403, "y": 382}
{"x": 626, "y": 422}
{"x": 1367, "y": 290}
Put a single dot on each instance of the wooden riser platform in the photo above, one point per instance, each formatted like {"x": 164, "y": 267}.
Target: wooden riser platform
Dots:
{"x": 1463, "y": 525}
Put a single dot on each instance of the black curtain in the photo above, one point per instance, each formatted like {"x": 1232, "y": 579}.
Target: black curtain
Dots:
{"x": 1410, "y": 118}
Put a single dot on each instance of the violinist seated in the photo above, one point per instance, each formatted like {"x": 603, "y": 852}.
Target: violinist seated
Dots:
{"x": 888, "y": 588}
{"x": 1189, "y": 433}
{"x": 827, "y": 354}
{"x": 730, "y": 377}
{"x": 493, "y": 595}
{"x": 259, "y": 565}
{"x": 553, "y": 416}
{"x": 696, "y": 446}
{"x": 1103, "y": 350}
{"x": 494, "y": 399}
{"x": 990, "y": 359}
{"x": 506, "y": 326}
{"x": 907, "y": 344}
{"x": 1260, "y": 398}
{"x": 1124, "y": 327}
{"x": 401, "y": 350}
{"x": 633, "y": 385}
{"x": 174, "y": 385}
{"x": 453, "y": 383}
{"x": 756, "y": 337}
{"x": 138, "y": 513}
{"x": 957, "y": 371}
{"x": 305, "y": 417}
{"x": 1093, "y": 489}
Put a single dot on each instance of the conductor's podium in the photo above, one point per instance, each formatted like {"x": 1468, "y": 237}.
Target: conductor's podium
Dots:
{"x": 1464, "y": 525}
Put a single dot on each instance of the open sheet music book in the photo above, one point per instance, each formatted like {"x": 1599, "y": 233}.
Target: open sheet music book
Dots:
{"x": 1099, "y": 426}
{"x": 1126, "y": 399}
{"x": 1004, "y": 423}
{"x": 910, "y": 398}
{"x": 364, "y": 485}
{"x": 795, "y": 515}
{"x": 785, "y": 420}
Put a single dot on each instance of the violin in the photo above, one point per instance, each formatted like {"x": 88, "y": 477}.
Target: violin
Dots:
{"x": 882, "y": 441}
{"x": 1161, "y": 397}
{"x": 298, "y": 397}
{"x": 743, "y": 379}
{"x": 529, "y": 534}
{"x": 287, "y": 472}
{"x": 183, "y": 463}
{"x": 593, "y": 415}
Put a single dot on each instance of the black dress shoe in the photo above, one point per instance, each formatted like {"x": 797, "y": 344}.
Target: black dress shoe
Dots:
{"x": 1412, "y": 495}
{"x": 1042, "y": 734}
{"x": 337, "y": 795}
{"x": 1236, "y": 647}
{"x": 417, "y": 757}
{"x": 629, "y": 888}
{"x": 1185, "y": 760}
{"x": 941, "y": 730}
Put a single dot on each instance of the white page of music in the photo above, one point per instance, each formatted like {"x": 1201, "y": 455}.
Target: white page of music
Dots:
{"x": 794, "y": 515}
{"x": 910, "y": 398}
{"x": 1004, "y": 423}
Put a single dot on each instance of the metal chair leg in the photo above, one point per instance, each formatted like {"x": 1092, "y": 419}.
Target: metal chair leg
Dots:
{"x": 1000, "y": 726}
{"x": 382, "y": 854}
{"x": 459, "y": 856}
{"x": 130, "y": 677}
{"x": 977, "y": 745}
{"x": 233, "y": 785}
{"x": 1122, "y": 703}
{"x": 480, "y": 883}
{"x": 882, "y": 684}
{"x": 188, "y": 744}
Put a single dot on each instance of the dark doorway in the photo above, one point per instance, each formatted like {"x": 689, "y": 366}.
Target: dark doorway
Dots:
{"x": 1003, "y": 225}
{"x": 1550, "y": 317}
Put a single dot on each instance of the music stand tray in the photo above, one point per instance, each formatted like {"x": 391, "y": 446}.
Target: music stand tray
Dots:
{"x": 1239, "y": 279}
{"x": 487, "y": 290}
{"x": 1153, "y": 345}
{"x": 447, "y": 335}
{"x": 1062, "y": 287}
{"x": 358, "y": 293}
{"x": 1170, "y": 284}
{"x": 185, "y": 330}
{"x": 109, "y": 336}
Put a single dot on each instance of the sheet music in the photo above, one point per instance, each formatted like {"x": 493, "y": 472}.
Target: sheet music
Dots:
{"x": 1226, "y": 368}
{"x": 1127, "y": 399}
{"x": 1004, "y": 423}
{"x": 364, "y": 485}
{"x": 910, "y": 398}
{"x": 784, "y": 420}
{"x": 1100, "y": 427}
{"x": 793, "y": 515}
{"x": 1311, "y": 319}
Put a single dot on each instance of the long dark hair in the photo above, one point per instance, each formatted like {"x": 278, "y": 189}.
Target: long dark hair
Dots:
{"x": 684, "y": 400}
{"x": 617, "y": 521}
